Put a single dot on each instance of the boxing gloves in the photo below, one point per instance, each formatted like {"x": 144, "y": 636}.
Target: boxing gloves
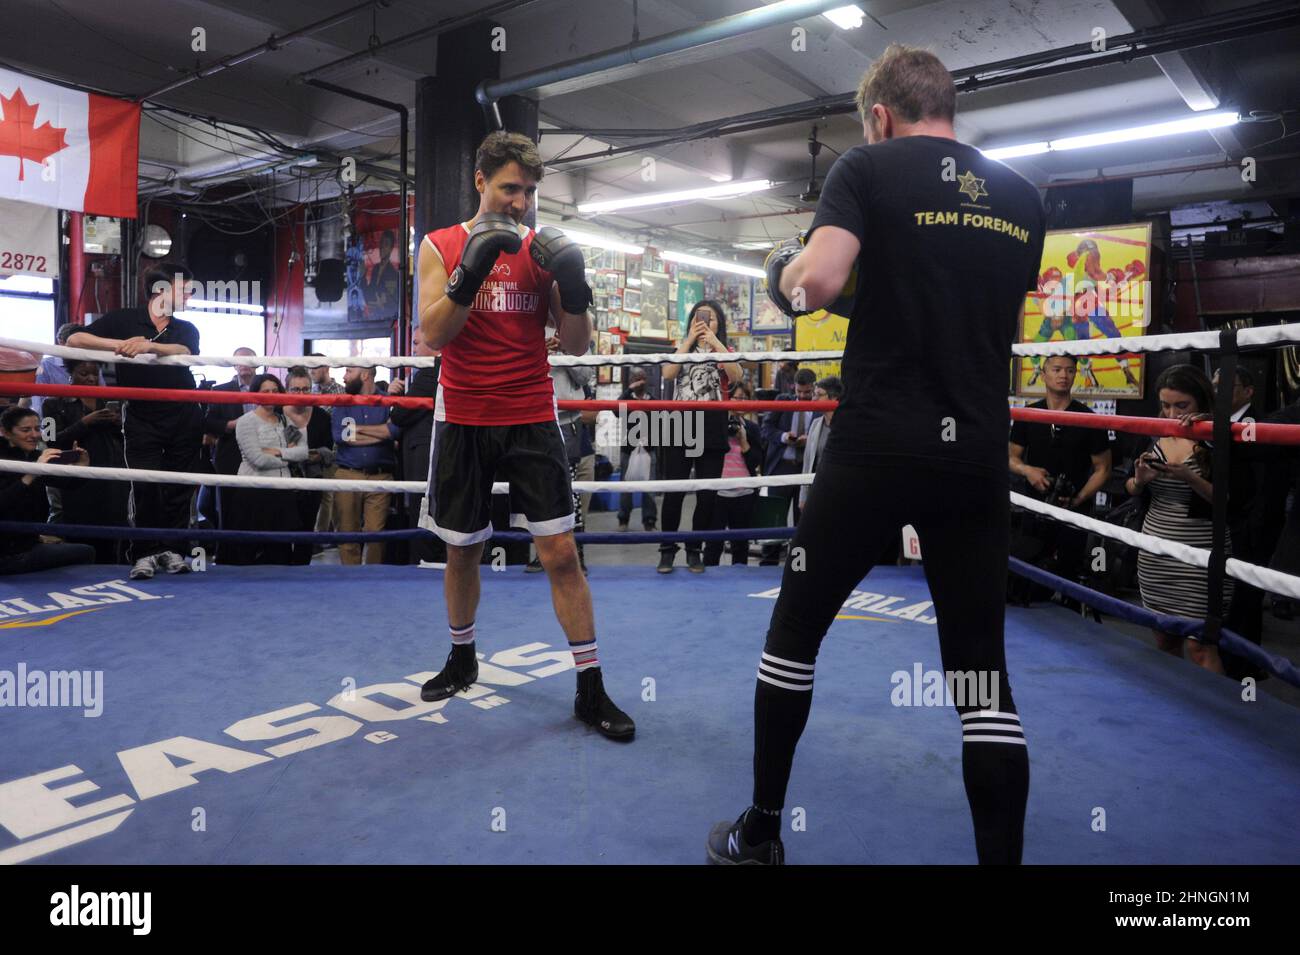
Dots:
{"x": 776, "y": 262}
{"x": 493, "y": 234}
{"x": 555, "y": 252}
{"x": 774, "y": 265}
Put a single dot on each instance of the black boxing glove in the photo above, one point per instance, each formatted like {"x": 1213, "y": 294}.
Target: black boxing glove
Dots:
{"x": 555, "y": 252}
{"x": 775, "y": 264}
{"x": 493, "y": 234}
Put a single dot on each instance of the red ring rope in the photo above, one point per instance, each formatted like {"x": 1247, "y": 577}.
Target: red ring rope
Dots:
{"x": 1283, "y": 434}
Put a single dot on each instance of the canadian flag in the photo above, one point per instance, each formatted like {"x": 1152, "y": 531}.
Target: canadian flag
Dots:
{"x": 67, "y": 149}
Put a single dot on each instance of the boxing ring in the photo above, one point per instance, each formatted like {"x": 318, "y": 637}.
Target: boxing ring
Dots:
{"x": 261, "y": 714}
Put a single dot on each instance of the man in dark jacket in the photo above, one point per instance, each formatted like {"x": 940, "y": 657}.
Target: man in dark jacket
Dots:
{"x": 786, "y": 434}
{"x": 417, "y": 433}
{"x": 219, "y": 422}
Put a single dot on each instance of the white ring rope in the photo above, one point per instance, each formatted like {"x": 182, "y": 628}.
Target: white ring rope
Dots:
{"x": 1261, "y": 577}
{"x": 368, "y": 361}
{"x": 1179, "y": 341}
{"x": 394, "y": 487}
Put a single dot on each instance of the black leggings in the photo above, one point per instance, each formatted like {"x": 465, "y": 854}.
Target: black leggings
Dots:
{"x": 853, "y": 510}
{"x": 674, "y": 465}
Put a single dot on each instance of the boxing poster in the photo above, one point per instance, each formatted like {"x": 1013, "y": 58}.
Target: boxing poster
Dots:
{"x": 1092, "y": 283}
{"x": 373, "y": 280}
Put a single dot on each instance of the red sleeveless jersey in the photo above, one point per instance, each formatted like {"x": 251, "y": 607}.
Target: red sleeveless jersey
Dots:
{"x": 495, "y": 371}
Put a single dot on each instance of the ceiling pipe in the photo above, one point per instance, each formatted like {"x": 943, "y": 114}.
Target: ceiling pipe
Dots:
{"x": 272, "y": 43}
{"x": 1204, "y": 31}
{"x": 489, "y": 92}
{"x": 442, "y": 26}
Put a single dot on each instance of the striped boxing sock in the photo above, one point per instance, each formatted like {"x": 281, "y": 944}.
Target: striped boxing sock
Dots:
{"x": 460, "y": 636}
{"x": 584, "y": 655}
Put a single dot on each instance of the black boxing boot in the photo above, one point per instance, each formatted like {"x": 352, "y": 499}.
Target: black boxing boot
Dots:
{"x": 594, "y": 707}
{"x": 459, "y": 673}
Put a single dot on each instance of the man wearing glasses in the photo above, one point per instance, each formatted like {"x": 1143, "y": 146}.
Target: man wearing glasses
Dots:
{"x": 1066, "y": 466}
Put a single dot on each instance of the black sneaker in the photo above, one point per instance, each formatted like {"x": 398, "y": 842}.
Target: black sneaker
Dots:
{"x": 459, "y": 674}
{"x": 648, "y": 527}
{"x": 666, "y": 558}
{"x": 534, "y": 566}
{"x": 594, "y": 707}
{"x": 727, "y": 846}
{"x": 694, "y": 563}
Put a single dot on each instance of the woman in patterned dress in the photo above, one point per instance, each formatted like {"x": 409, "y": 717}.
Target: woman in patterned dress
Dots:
{"x": 1176, "y": 474}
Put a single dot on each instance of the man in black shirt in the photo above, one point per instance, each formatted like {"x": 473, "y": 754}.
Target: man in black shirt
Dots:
{"x": 1066, "y": 466}
{"x": 946, "y": 243}
{"x": 158, "y": 435}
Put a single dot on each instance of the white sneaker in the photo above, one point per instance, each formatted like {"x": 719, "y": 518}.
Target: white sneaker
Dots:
{"x": 144, "y": 568}
{"x": 172, "y": 562}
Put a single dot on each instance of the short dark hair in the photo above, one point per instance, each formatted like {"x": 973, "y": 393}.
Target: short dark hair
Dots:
{"x": 500, "y": 149}
{"x": 297, "y": 371}
{"x": 833, "y": 387}
{"x": 13, "y": 414}
{"x": 912, "y": 82}
{"x": 805, "y": 376}
{"x": 164, "y": 273}
{"x": 70, "y": 365}
{"x": 66, "y": 331}
{"x": 258, "y": 380}
{"x": 1072, "y": 359}
{"x": 1245, "y": 377}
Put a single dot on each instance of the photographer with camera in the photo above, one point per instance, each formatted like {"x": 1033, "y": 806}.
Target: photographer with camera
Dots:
{"x": 23, "y": 496}
{"x": 734, "y": 507}
{"x": 1064, "y": 466}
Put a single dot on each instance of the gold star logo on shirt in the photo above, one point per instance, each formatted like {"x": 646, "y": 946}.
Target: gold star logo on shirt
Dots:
{"x": 971, "y": 186}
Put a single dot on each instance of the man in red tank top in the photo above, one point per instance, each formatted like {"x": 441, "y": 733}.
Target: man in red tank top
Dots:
{"x": 488, "y": 289}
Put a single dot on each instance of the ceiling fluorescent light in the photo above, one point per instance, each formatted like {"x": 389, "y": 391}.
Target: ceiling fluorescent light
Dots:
{"x": 724, "y": 191}
{"x": 1192, "y": 124}
{"x": 846, "y": 18}
{"x": 719, "y": 266}
{"x": 1011, "y": 152}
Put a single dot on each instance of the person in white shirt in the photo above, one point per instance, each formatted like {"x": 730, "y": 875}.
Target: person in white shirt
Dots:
{"x": 267, "y": 445}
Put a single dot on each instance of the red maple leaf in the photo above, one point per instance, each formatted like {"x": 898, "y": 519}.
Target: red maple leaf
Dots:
{"x": 21, "y": 137}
